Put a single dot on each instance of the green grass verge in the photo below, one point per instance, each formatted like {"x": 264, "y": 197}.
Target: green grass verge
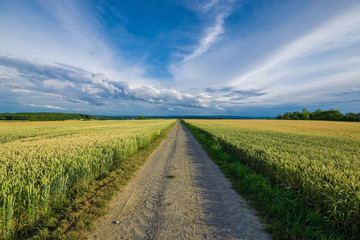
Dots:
{"x": 86, "y": 202}
{"x": 286, "y": 214}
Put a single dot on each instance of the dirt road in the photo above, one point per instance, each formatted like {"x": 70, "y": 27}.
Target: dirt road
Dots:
{"x": 179, "y": 194}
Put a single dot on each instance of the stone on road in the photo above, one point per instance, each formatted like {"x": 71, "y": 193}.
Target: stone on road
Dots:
{"x": 179, "y": 193}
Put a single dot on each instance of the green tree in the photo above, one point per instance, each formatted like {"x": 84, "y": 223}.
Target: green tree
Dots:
{"x": 332, "y": 115}
{"x": 43, "y": 116}
{"x": 316, "y": 115}
{"x": 294, "y": 117}
{"x": 352, "y": 117}
{"x": 329, "y": 115}
{"x": 305, "y": 114}
{"x": 287, "y": 115}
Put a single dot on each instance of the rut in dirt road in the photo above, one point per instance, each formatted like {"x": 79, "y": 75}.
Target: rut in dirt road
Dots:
{"x": 179, "y": 194}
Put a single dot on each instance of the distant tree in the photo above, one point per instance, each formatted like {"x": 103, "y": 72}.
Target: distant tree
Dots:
{"x": 316, "y": 115}
{"x": 43, "y": 116}
{"x": 352, "y": 117}
{"x": 287, "y": 116}
{"x": 294, "y": 117}
{"x": 141, "y": 117}
{"x": 305, "y": 114}
{"x": 332, "y": 115}
{"x": 329, "y": 115}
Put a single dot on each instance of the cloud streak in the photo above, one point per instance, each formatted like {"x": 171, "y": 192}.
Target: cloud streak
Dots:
{"x": 207, "y": 6}
{"x": 229, "y": 96}
{"x": 334, "y": 35}
{"x": 212, "y": 33}
{"x": 47, "y": 106}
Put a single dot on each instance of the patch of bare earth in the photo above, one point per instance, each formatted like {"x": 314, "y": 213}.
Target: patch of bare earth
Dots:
{"x": 179, "y": 194}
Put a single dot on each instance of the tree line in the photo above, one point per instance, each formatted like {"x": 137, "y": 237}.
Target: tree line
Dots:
{"x": 329, "y": 115}
{"x": 45, "y": 116}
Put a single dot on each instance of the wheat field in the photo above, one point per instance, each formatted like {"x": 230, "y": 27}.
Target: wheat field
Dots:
{"x": 319, "y": 160}
{"x": 39, "y": 161}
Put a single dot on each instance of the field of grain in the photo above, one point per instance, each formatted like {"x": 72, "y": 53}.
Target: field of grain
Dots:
{"x": 39, "y": 161}
{"x": 318, "y": 160}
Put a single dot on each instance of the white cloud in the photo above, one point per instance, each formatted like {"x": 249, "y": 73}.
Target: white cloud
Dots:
{"x": 207, "y": 6}
{"x": 210, "y": 38}
{"x": 19, "y": 90}
{"x": 264, "y": 65}
{"x": 77, "y": 85}
{"x": 47, "y": 106}
{"x": 56, "y": 84}
{"x": 73, "y": 85}
{"x": 220, "y": 11}
{"x": 336, "y": 34}
{"x": 308, "y": 67}
{"x": 66, "y": 32}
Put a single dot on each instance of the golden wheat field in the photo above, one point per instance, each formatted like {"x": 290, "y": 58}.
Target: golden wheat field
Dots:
{"x": 317, "y": 159}
{"x": 39, "y": 161}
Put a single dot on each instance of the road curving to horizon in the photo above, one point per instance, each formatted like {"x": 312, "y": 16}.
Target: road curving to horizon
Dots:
{"x": 179, "y": 193}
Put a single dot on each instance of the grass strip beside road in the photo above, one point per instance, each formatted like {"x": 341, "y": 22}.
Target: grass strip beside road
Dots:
{"x": 88, "y": 202}
{"x": 285, "y": 213}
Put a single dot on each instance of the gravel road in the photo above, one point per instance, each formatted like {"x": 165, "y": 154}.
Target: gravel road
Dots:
{"x": 179, "y": 194}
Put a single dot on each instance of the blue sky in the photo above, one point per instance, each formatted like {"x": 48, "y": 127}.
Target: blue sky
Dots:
{"x": 190, "y": 57}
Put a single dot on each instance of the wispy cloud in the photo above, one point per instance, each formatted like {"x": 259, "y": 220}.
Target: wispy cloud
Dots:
{"x": 230, "y": 96}
{"x": 207, "y": 6}
{"x": 47, "y": 106}
{"x": 212, "y": 33}
{"x": 338, "y": 33}
{"x": 210, "y": 37}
